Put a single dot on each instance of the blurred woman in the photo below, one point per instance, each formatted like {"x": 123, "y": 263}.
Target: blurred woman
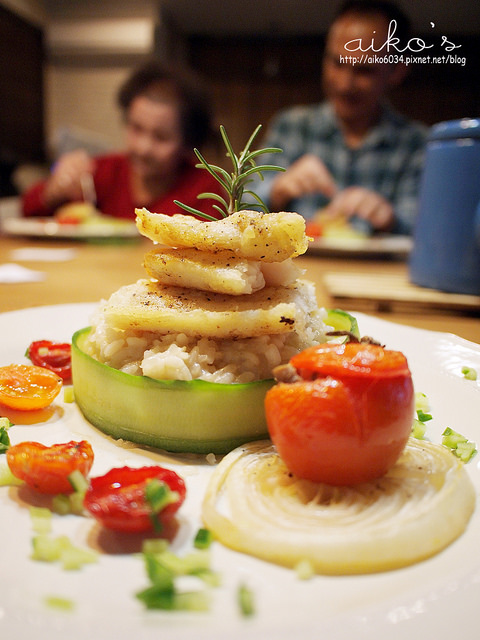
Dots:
{"x": 166, "y": 115}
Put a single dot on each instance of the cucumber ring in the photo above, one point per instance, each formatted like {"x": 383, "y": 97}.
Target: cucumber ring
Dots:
{"x": 176, "y": 415}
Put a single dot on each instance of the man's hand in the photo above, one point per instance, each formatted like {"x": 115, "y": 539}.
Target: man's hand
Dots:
{"x": 306, "y": 176}
{"x": 65, "y": 183}
{"x": 366, "y": 204}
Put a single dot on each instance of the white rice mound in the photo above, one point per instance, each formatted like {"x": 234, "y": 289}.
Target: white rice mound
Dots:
{"x": 181, "y": 357}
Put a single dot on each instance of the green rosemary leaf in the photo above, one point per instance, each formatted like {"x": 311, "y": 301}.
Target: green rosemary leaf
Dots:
{"x": 214, "y": 171}
{"x": 250, "y": 141}
{"x": 213, "y": 196}
{"x": 230, "y": 150}
{"x": 260, "y": 202}
{"x": 260, "y": 152}
{"x": 195, "y": 212}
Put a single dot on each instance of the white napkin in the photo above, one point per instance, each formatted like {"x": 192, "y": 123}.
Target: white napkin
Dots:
{"x": 11, "y": 273}
{"x": 36, "y": 254}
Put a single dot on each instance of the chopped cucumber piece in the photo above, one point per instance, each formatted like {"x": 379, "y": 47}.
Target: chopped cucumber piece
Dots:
{"x": 7, "y": 479}
{"x": 68, "y": 394}
{"x": 203, "y": 539}
{"x": 57, "y": 602}
{"x": 469, "y": 373}
{"x": 459, "y": 444}
{"x": 304, "y": 570}
{"x": 245, "y": 600}
{"x": 41, "y": 519}
{"x": 342, "y": 321}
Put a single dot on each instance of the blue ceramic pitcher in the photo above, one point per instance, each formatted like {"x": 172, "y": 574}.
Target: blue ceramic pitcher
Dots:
{"x": 446, "y": 250}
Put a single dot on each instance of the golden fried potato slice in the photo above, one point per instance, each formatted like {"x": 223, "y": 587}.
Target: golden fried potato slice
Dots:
{"x": 221, "y": 272}
{"x": 270, "y": 237}
{"x": 150, "y": 306}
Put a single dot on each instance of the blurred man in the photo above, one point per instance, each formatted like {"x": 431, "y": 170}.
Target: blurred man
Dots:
{"x": 351, "y": 155}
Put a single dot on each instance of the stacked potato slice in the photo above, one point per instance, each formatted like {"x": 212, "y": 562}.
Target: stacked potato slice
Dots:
{"x": 229, "y": 278}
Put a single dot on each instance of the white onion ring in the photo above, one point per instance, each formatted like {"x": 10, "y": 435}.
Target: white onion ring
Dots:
{"x": 254, "y": 505}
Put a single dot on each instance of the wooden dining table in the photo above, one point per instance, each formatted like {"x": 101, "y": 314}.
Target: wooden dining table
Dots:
{"x": 91, "y": 271}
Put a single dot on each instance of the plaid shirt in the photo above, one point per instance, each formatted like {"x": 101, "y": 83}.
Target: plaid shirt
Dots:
{"x": 389, "y": 161}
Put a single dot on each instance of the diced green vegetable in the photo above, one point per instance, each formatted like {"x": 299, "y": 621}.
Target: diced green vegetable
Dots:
{"x": 68, "y": 394}
{"x": 245, "y": 600}
{"x": 418, "y": 429}
{"x": 203, "y": 539}
{"x": 60, "y": 549}
{"x": 421, "y": 402}
{"x": 469, "y": 373}
{"x": 342, "y": 321}
{"x": 158, "y": 597}
{"x": 57, "y": 602}
{"x": 459, "y": 444}
{"x": 304, "y": 570}
{"x": 41, "y": 519}
{"x": 7, "y": 479}
{"x": 5, "y": 425}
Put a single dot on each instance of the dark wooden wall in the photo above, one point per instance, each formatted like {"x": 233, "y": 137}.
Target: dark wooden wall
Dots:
{"x": 252, "y": 78}
{"x": 21, "y": 95}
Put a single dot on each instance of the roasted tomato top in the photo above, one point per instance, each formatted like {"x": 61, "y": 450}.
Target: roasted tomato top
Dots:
{"x": 346, "y": 417}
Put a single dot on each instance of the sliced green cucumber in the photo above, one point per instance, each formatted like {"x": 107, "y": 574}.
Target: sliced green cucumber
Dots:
{"x": 342, "y": 321}
{"x": 176, "y": 415}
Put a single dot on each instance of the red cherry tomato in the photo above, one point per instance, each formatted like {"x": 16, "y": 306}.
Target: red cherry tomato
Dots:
{"x": 55, "y": 356}
{"x": 348, "y": 418}
{"x": 119, "y": 498}
{"x": 46, "y": 469}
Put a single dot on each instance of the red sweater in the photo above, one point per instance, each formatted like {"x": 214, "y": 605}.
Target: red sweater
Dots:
{"x": 114, "y": 198}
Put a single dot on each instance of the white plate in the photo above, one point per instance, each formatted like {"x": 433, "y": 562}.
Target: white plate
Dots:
{"x": 375, "y": 246}
{"x": 49, "y": 228}
{"x": 437, "y": 598}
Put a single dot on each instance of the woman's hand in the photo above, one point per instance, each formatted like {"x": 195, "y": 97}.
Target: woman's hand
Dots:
{"x": 65, "y": 183}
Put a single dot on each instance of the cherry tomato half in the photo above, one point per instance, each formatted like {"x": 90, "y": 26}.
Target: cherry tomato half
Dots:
{"x": 348, "y": 418}
{"x": 55, "y": 356}
{"x": 27, "y": 387}
{"x": 118, "y": 500}
{"x": 46, "y": 469}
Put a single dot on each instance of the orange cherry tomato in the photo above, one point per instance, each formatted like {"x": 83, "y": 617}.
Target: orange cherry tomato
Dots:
{"x": 46, "y": 469}
{"x": 348, "y": 418}
{"x": 28, "y": 387}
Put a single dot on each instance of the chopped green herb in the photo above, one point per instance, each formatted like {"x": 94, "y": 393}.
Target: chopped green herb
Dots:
{"x": 459, "y": 444}
{"x": 469, "y": 373}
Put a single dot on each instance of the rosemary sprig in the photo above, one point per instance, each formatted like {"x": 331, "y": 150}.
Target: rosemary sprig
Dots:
{"x": 244, "y": 169}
